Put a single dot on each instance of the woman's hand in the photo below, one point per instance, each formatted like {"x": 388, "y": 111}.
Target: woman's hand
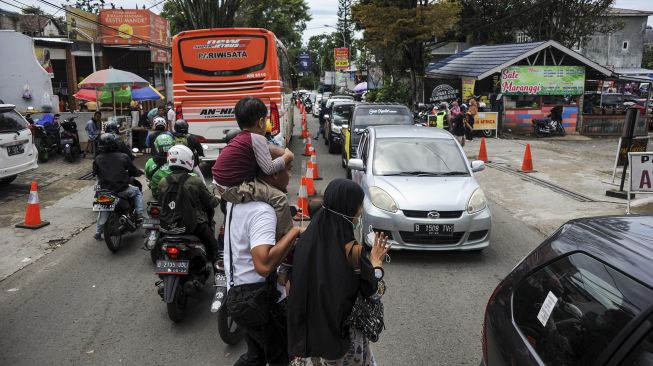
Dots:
{"x": 379, "y": 250}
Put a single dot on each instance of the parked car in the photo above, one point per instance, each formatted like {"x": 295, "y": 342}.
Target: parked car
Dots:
{"x": 370, "y": 114}
{"x": 17, "y": 151}
{"x": 316, "y": 106}
{"x": 338, "y": 97}
{"x": 583, "y": 297}
{"x": 420, "y": 190}
{"x": 339, "y": 115}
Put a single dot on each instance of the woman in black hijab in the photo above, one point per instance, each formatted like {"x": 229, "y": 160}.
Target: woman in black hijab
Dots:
{"x": 325, "y": 286}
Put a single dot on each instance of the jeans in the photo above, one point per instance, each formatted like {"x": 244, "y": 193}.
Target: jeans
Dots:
{"x": 131, "y": 192}
{"x": 268, "y": 344}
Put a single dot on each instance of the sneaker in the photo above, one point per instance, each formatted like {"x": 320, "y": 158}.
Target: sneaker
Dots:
{"x": 97, "y": 236}
{"x": 139, "y": 220}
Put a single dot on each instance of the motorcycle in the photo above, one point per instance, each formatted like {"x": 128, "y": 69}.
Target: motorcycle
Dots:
{"x": 183, "y": 268}
{"x": 152, "y": 233}
{"x": 117, "y": 214}
{"x": 46, "y": 136}
{"x": 229, "y": 331}
{"x": 70, "y": 140}
{"x": 547, "y": 127}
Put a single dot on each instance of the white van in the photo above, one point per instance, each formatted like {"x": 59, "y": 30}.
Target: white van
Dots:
{"x": 17, "y": 151}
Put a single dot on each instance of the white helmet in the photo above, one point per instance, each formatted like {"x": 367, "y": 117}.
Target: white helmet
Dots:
{"x": 181, "y": 156}
{"x": 159, "y": 122}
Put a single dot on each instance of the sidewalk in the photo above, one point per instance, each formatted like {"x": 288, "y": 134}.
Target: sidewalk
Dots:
{"x": 571, "y": 178}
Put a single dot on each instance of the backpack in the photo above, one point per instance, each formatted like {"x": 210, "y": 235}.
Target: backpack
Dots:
{"x": 181, "y": 140}
{"x": 178, "y": 215}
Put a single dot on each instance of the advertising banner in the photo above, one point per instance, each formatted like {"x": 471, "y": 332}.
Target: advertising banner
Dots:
{"x": 133, "y": 26}
{"x": 84, "y": 21}
{"x": 43, "y": 57}
{"x": 543, "y": 80}
{"x": 641, "y": 174}
{"x": 304, "y": 61}
{"x": 442, "y": 90}
{"x": 486, "y": 121}
{"x": 341, "y": 58}
{"x": 159, "y": 55}
{"x": 468, "y": 88}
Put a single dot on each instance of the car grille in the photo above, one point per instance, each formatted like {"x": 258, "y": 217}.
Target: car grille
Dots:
{"x": 410, "y": 238}
{"x": 387, "y": 233}
{"x": 477, "y": 235}
{"x": 424, "y": 214}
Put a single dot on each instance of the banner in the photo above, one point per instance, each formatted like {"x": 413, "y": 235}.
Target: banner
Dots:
{"x": 486, "y": 121}
{"x": 543, "y": 80}
{"x": 442, "y": 90}
{"x": 641, "y": 172}
{"x": 84, "y": 21}
{"x": 304, "y": 61}
{"x": 341, "y": 58}
{"x": 468, "y": 89}
{"x": 133, "y": 26}
{"x": 42, "y": 55}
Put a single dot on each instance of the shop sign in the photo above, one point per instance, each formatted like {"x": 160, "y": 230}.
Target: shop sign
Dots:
{"x": 543, "y": 80}
{"x": 341, "y": 58}
{"x": 159, "y": 55}
{"x": 468, "y": 89}
{"x": 304, "y": 61}
{"x": 84, "y": 21}
{"x": 486, "y": 121}
{"x": 133, "y": 26}
{"x": 442, "y": 90}
{"x": 638, "y": 144}
{"x": 641, "y": 172}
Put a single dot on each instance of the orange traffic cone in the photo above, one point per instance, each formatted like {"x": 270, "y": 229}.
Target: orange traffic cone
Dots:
{"x": 305, "y": 133}
{"x": 482, "y": 155}
{"x": 308, "y": 180}
{"x": 302, "y": 204}
{"x": 33, "y": 213}
{"x": 527, "y": 164}
{"x": 307, "y": 147}
{"x": 313, "y": 163}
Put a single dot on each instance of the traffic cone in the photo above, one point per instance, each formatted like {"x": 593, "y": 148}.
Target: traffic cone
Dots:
{"x": 302, "y": 204}
{"x": 33, "y": 213}
{"x": 307, "y": 147}
{"x": 482, "y": 154}
{"x": 313, "y": 163}
{"x": 527, "y": 164}
{"x": 308, "y": 181}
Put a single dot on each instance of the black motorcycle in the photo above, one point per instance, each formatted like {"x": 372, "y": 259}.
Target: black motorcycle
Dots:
{"x": 117, "y": 213}
{"x": 46, "y": 138}
{"x": 547, "y": 127}
{"x": 70, "y": 140}
{"x": 152, "y": 230}
{"x": 183, "y": 268}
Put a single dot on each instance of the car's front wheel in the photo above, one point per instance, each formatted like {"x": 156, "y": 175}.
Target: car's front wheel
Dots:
{"x": 9, "y": 179}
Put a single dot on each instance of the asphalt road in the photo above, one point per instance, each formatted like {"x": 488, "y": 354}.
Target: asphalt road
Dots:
{"x": 83, "y": 305}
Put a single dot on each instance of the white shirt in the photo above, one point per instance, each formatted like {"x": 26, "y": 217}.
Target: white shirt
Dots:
{"x": 253, "y": 224}
{"x": 171, "y": 118}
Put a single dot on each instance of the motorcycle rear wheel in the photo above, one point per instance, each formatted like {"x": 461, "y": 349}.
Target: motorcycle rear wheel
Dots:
{"x": 229, "y": 331}
{"x": 488, "y": 133}
{"x": 177, "y": 308}
{"x": 68, "y": 155}
{"x": 562, "y": 131}
{"x": 44, "y": 155}
{"x": 112, "y": 234}
{"x": 537, "y": 132}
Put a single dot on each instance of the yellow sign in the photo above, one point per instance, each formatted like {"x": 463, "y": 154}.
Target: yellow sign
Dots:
{"x": 486, "y": 121}
{"x": 84, "y": 21}
{"x": 468, "y": 89}
{"x": 343, "y": 63}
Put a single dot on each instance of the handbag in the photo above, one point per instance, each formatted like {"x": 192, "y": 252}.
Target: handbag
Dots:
{"x": 249, "y": 305}
{"x": 367, "y": 313}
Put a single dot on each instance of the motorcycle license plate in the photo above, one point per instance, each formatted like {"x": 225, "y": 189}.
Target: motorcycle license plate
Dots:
{"x": 100, "y": 207}
{"x": 172, "y": 267}
{"x": 220, "y": 292}
{"x": 15, "y": 150}
{"x": 67, "y": 141}
{"x": 221, "y": 279}
{"x": 434, "y": 229}
{"x": 151, "y": 223}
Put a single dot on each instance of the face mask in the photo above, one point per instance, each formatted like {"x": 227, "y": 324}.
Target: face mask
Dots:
{"x": 355, "y": 226}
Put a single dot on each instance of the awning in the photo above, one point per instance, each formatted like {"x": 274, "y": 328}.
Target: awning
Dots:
{"x": 53, "y": 40}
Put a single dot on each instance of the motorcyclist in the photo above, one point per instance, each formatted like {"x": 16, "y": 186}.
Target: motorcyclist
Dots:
{"x": 156, "y": 168}
{"x": 181, "y": 162}
{"x": 160, "y": 125}
{"x": 323, "y": 111}
{"x": 112, "y": 127}
{"x": 114, "y": 171}
{"x": 182, "y": 137}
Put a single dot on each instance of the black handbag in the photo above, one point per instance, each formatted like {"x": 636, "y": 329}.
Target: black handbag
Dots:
{"x": 367, "y": 313}
{"x": 250, "y": 305}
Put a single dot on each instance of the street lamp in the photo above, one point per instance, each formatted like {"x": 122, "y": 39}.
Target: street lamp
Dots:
{"x": 90, "y": 39}
{"x": 344, "y": 42}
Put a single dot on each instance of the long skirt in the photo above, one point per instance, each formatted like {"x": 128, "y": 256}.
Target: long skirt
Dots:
{"x": 359, "y": 354}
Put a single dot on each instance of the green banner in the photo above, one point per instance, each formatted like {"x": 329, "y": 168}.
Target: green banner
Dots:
{"x": 543, "y": 80}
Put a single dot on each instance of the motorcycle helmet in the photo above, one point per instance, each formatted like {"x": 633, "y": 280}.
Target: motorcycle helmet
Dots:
{"x": 159, "y": 123}
{"x": 181, "y": 156}
{"x": 112, "y": 127}
{"x": 163, "y": 143}
{"x": 181, "y": 126}
{"x": 108, "y": 142}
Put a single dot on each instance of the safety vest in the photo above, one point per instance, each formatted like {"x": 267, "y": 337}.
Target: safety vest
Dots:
{"x": 440, "y": 119}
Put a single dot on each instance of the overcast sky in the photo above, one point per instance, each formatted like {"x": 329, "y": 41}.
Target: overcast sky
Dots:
{"x": 322, "y": 11}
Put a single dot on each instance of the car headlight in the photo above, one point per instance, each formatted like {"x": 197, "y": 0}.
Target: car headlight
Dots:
{"x": 382, "y": 200}
{"x": 336, "y": 128}
{"x": 477, "y": 202}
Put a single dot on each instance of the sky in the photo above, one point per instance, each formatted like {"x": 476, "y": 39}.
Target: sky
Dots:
{"x": 322, "y": 11}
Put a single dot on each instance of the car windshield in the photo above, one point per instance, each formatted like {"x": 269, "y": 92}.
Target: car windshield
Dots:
{"x": 428, "y": 157}
{"x": 382, "y": 115}
{"x": 11, "y": 121}
{"x": 342, "y": 111}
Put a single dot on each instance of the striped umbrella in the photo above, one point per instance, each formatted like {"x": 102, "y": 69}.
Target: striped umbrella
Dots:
{"x": 112, "y": 80}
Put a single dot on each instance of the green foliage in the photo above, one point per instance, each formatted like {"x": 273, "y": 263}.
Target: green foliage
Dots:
{"x": 33, "y": 10}
{"x": 200, "y": 14}
{"x": 647, "y": 58}
{"x": 285, "y": 18}
{"x": 91, "y": 6}
{"x": 391, "y": 92}
{"x": 345, "y": 25}
{"x": 309, "y": 82}
{"x": 321, "y": 49}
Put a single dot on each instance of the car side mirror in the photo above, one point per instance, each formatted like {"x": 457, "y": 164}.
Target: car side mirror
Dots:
{"x": 478, "y": 165}
{"x": 356, "y": 164}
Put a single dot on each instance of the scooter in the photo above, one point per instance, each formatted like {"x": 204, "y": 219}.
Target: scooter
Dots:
{"x": 117, "y": 214}
{"x": 70, "y": 140}
{"x": 46, "y": 136}
{"x": 152, "y": 230}
{"x": 547, "y": 127}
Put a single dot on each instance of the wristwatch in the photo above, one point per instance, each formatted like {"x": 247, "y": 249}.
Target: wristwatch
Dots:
{"x": 378, "y": 273}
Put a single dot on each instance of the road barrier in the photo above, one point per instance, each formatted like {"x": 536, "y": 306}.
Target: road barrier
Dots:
{"x": 482, "y": 154}
{"x": 33, "y": 212}
{"x": 527, "y": 164}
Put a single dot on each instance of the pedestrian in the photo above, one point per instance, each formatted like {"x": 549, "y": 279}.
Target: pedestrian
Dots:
{"x": 460, "y": 125}
{"x": 159, "y": 111}
{"x": 322, "y": 118}
{"x": 255, "y": 300}
{"x": 93, "y": 130}
{"x": 326, "y": 284}
{"x": 471, "y": 115}
{"x": 171, "y": 116}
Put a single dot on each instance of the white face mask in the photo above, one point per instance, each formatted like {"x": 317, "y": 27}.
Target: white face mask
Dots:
{"x": 355, "y": 226}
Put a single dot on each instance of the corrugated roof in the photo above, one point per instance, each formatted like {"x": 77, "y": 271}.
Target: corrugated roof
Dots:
{"x": 629, "y": 12}
{"x": 475, "y": 61}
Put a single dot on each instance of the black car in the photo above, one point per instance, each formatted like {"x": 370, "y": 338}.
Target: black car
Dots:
{"x": 583, "y": 297}
{"x": 339, "y": 114}
{"x": 371, "y": 114}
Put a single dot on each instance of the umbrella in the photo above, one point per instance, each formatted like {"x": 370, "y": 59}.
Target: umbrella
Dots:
{"x": 148, "y": 93}
{"x": 111, "y": 80}
{"x": 360, "y": 87}
{"x": 122, "y": 96}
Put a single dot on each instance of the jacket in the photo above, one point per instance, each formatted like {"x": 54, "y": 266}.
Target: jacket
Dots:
{"x": 202, "y": 201}
{"x": 155, "y": 173}
{"x": 114, "y": 170}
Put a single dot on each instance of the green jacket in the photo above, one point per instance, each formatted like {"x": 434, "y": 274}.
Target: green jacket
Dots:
{"x": 154, "y": 175}
{"x": 203, "y": 201}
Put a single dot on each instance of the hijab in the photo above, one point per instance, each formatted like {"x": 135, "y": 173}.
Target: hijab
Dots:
{"x": 455, "y": 109}
{"x": 324, "y": 286}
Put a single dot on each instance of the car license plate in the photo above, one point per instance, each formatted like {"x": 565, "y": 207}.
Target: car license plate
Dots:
{"x": 99, "y": 207}
{"x": 434, "y": 229}
{"x": 15, "y": 150}
{"x": 150, "y": 223}
{"x": 171, "y": 267}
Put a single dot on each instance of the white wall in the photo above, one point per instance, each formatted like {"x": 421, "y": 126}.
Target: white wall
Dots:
{"x": 20, "y": 69}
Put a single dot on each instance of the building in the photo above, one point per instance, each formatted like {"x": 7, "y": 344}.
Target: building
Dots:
{"x": 32, "y": 25}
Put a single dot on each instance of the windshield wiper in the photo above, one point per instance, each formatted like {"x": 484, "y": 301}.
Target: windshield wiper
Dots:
{"x": 420, "y": 173}
{"x": 453, "y": 173}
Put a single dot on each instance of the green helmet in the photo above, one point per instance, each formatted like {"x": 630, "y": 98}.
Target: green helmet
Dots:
{"x": 163, "y": 143}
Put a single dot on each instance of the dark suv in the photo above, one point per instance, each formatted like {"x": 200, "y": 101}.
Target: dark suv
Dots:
{"x": 371, "y": 114}
{"x": 583, "y": 297}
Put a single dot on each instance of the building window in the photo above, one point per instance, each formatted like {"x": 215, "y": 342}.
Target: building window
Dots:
{"x": 624, "y": 46}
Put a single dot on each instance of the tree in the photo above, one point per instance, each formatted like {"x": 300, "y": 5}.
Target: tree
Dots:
{"x": 406, "y": 26}
{"x": 200, "y": 14}
{"x": 33, "y": 10}
{"x": 647, "y": 58}
{"x": 285, "y": 18}
{"x": 321, "y": 49}
{"x": 345, "y": 25}
{"x": 91, "y": 6}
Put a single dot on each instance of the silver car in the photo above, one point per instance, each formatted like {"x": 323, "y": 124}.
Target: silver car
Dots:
{"x": 420, "y": 190}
